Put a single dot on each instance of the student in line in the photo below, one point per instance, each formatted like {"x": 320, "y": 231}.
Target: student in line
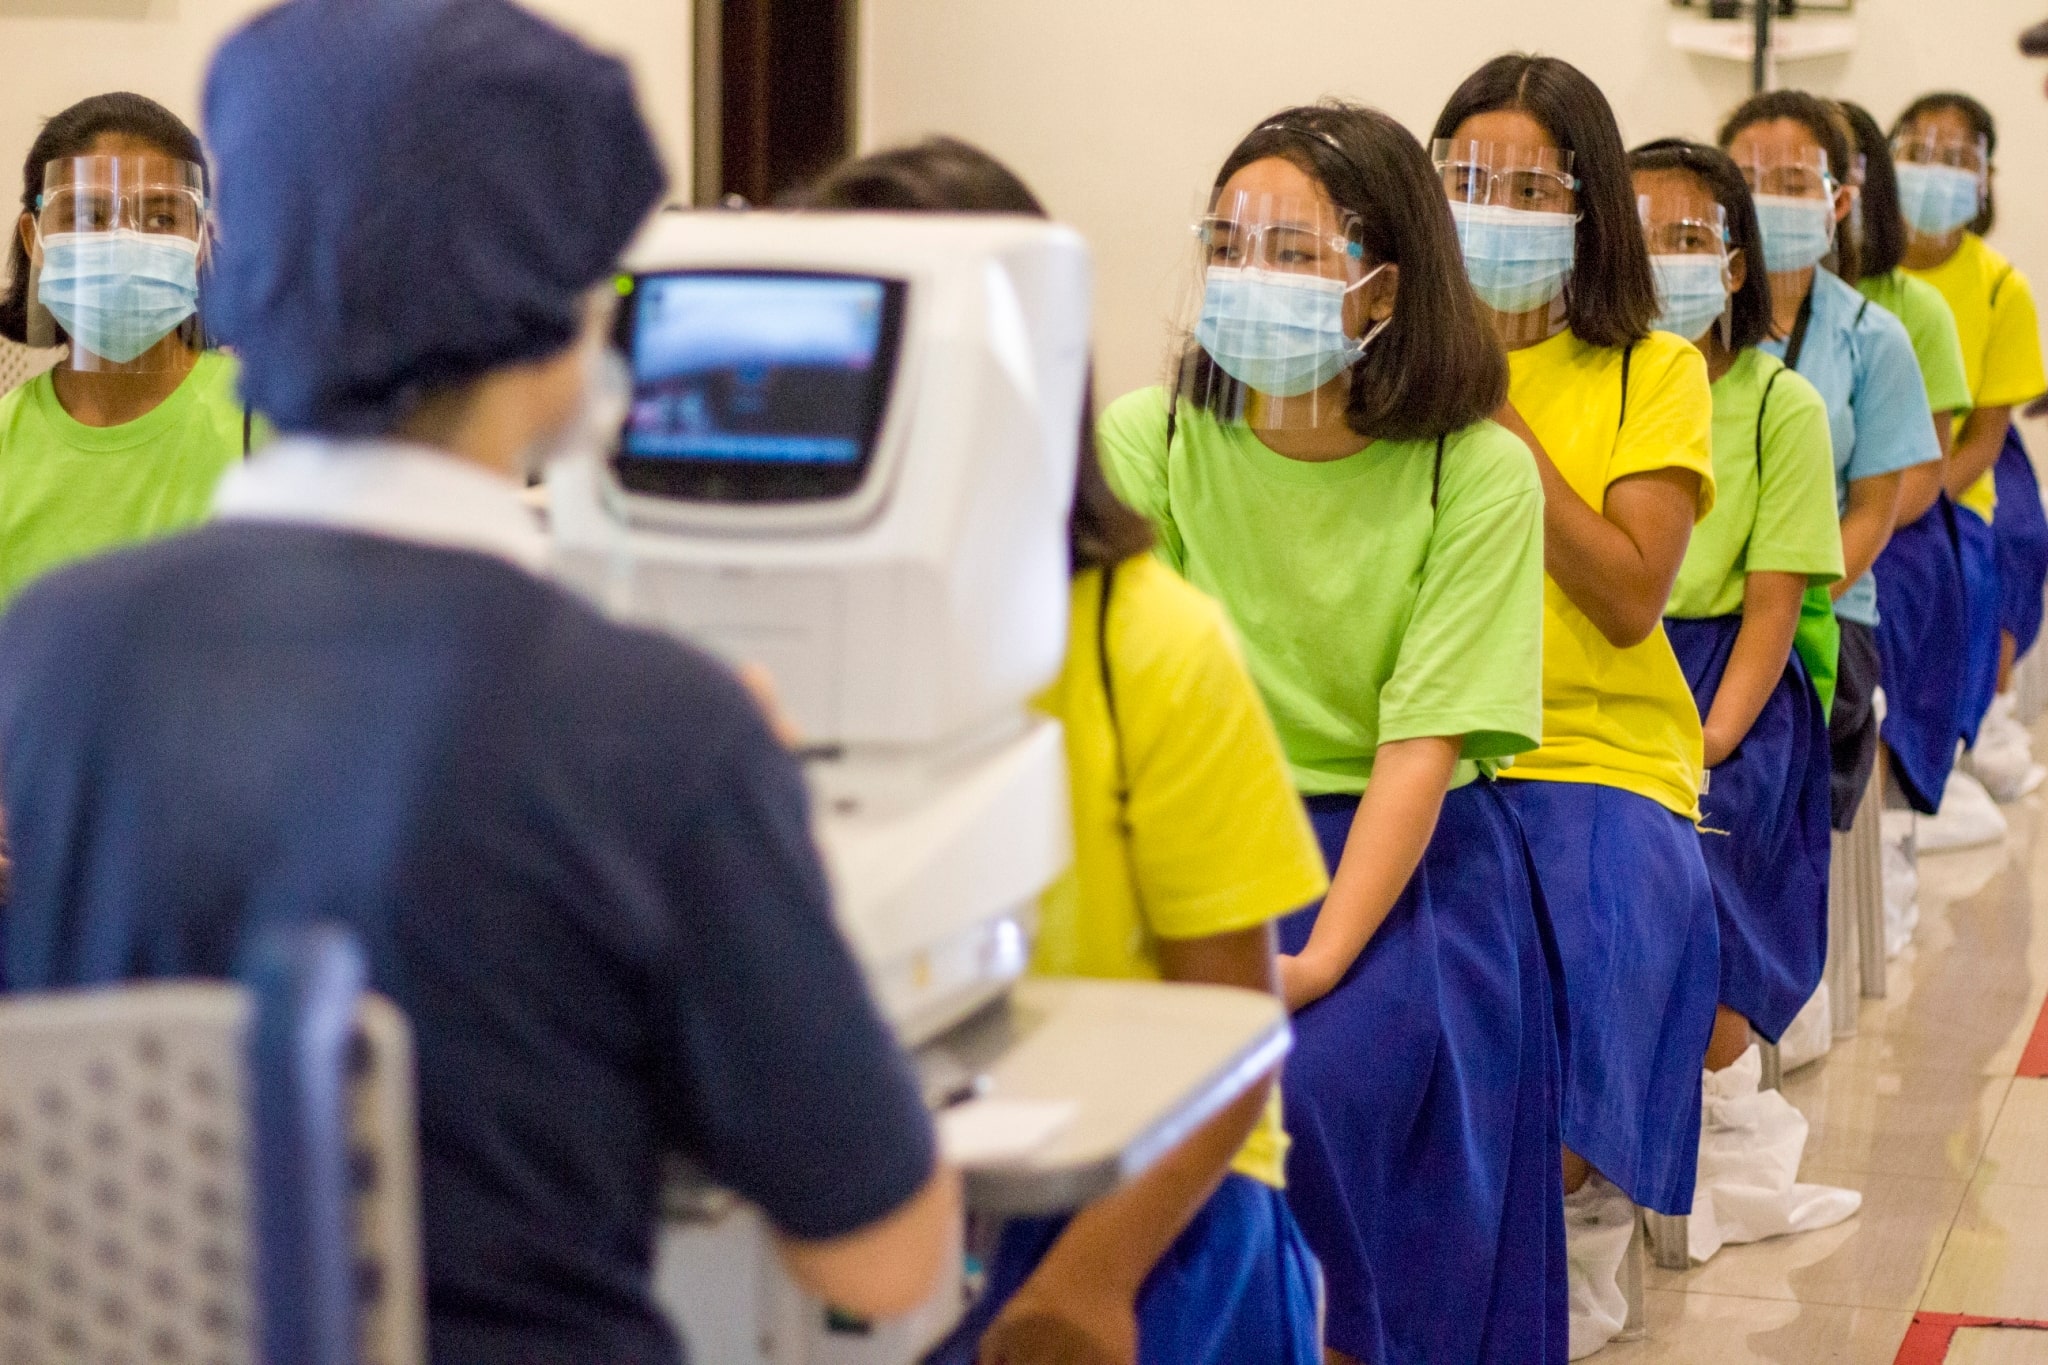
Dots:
{"x": 1732, "y": 619}
{"x": 1944, "y": 146}
{"x": 573, "y": 852}
{"x": 1793, "y": 149}
{"x": 1323, "y": 465}
{"x": 1618, "y": 418}
{"x": 128, "y": 436}
{"x": 1923, "y": 618}
{"x": 1188, "y": 844}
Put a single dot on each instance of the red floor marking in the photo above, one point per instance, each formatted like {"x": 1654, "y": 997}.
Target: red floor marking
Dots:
{"x": 1928, "y": 1339}
{"x": 2034, "y": 1061}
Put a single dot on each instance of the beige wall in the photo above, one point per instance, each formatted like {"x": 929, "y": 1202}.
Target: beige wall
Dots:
{"x": 50, "y": 57}
{"x": 1118, "y": 111}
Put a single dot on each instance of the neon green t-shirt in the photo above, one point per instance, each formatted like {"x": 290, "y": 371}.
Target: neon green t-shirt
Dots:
{"x": 1774, "y": 490}
{"x": 2000, "y": 330}
{"x": 1367, "y": 616}
{"x": 1932, "y": 326}
{"x": 1616, "y": 717}
{"x": 1217, "y": 841}
{"x": 68, "y": 490}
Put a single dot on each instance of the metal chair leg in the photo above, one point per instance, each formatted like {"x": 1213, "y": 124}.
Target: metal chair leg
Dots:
{"x": 1868, "y": 837}
{"x": 1669, "y": 1246}
{"x": 1634, "y": 1272}
{"x": 1774, "y": 1071}
{"x": 1845, "y": 987}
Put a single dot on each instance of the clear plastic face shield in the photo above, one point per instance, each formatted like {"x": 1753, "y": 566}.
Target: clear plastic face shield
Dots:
{"x": 1517, "y": 214}
{"x": 114, "y": 256}
{"x": 1943, "y": 176}
{"x": 1686, "y": 230}
{"x": 1797, "y": 200}
{"x": 1282, "y": 305}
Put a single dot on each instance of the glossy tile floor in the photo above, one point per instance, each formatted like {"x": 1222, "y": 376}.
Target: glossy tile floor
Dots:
{"x": 1921, "y": 1112}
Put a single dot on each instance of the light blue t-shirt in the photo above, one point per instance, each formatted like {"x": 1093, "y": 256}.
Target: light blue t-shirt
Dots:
{"x": 1861, "y": 359}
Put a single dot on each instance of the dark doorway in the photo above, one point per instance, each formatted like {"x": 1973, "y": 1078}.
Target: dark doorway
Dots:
{"x": 774, "y": 94}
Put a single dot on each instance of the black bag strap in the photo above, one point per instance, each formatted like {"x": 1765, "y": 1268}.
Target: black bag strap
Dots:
{"x": 1628, "y": 353}
{"x": 1763, "y": 405}
{"x": 1116, "y": 731}
{"x": 1796, "y": 346}
{"x": 248, "y": 428}
{"x": 1436, "y": 478}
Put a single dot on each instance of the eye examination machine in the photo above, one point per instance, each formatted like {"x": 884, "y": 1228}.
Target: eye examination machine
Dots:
{"x": 847, "y": 459}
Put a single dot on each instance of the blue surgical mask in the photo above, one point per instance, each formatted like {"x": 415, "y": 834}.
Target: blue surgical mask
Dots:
{"x": 1278, "y": 333}
{"x": 118, "y": 293}
{"x": 1798, "y": 233}
{"x": 1518, "y": 260}
{"x": 1693, "y": 291}
{"x": 1936, "y": 200}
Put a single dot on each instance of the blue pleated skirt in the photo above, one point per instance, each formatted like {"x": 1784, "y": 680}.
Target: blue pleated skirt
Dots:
{"x": 1983, "y": 599}
{"x": 1923, "y": 645}
{"x": 1421, "y": 1097}
{"x": 1764, "y": 833}
{"x": 1237, "y": 1288}
{"x": 2021, "y": 532}
{"x": 1632, "y": 908}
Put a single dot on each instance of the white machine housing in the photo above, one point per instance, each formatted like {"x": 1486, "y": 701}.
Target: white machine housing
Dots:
{"x": 908, "y": 621}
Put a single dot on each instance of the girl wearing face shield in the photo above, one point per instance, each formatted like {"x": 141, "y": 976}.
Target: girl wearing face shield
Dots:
{"x": 1188, "y": 845}
{"x": 1321, "y": 463}
{"x": 1732, "y": 618}
{"x": 128, "y": 436}
{"x": 1923, "y": 619}
{"x": 1943, "y": 144}
{"x": 1618, "y": 418}
{"x": 1792, "y": 148}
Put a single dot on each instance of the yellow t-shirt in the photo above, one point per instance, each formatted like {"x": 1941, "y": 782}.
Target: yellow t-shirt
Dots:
{"x": 2001, "y": 335}
{"x": 1217, "y": 839}
{"x": 1615, "y": 717}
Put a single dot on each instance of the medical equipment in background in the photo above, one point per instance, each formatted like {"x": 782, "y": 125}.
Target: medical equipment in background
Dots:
{"x": 848, "y": 458}
{"x": 1762, "y": 33}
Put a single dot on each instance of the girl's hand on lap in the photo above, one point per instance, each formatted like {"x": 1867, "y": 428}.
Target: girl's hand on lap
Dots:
{"x": 1302, "y": 983}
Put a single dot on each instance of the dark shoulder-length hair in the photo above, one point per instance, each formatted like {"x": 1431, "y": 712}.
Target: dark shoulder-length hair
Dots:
{"x": 1612, "y": 297}
{"x": 1883, "y": 244}
{"x": 946, "y": 175}
{"x": 1437, "y": 366}
{"x": 1749, "y": 310}
{"x": 70, "y": 134}
{"x": 1829, "y": 127}
{"x": 1981, "y": 123}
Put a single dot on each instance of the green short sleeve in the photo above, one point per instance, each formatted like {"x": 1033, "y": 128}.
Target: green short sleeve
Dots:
{"x": 1796, "y": 530}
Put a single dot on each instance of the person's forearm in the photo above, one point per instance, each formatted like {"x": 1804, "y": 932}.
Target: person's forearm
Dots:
{"x": 1919, "y": 489}
{"x": 1117, "y": 1240}
{"x": 1395, "y": 820}
{"x": 1866, "y": 527}
{"x": 1977, "y": 448}
{"x": 892, "y": 1265}
{"x": 1770, "y": 619}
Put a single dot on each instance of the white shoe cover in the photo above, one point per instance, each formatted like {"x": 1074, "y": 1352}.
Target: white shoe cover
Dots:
{"x": 2004, "y": 757}
{"x": 1901, "y": 882}
{"x": 1599, "y": 1223}
{"x": 1969, "y": 818}
{"x": 1810, "y": 1035}
{"x": 1751, "y": 1141}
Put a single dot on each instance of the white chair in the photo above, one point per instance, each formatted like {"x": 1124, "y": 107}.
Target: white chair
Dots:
{"x": 163, "y": 1196}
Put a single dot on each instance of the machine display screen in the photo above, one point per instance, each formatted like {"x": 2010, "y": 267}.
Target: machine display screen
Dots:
{"x": 755, "y": 386}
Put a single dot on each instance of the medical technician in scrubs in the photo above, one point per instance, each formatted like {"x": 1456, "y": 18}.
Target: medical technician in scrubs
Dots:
{"x": 1922, "y": 623}
{"x": 1188, "y": 844}
{"x": 128, "y": 437}
{"x": 1324, "y": 467}
{"x": 1732, "y": 619}
{"x": 572, "y": 852}
{"x": 1793, "y": 149}
{"x": 1943, "y": 145}
{"x": 1619, "y": 420}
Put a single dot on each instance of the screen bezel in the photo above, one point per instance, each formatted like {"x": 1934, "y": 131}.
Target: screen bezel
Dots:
{"x": 737, "y": 481}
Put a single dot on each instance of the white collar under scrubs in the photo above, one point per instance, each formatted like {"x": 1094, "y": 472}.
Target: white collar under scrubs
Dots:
{"x": 386, "y": 488}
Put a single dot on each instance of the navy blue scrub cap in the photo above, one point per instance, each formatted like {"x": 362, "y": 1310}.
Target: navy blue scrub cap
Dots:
{"x": 411, "y": 193}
